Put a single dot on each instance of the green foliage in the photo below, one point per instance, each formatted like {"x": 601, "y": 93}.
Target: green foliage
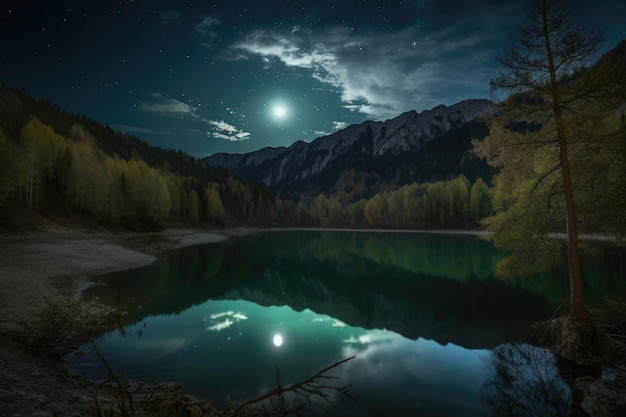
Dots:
{"x": 442, "y": 204}
{"x": 480, "y": 201}
{"x": 117, "y": 191}
{"x": 193, "y": 206}
{"x": 213, "y": 203}
{"x": 6, "y": 164}
{"x": 528, "y": 190}
{"x": 118, "y": 179}
{"x": 553, "y": 144}
{"x": 122, "y": 181}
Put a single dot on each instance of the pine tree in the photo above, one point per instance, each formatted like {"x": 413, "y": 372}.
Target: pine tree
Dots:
{"x": 541, "y": 138}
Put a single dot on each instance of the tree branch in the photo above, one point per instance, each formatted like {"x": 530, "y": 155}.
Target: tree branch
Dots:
{"x": 544, "y": 176}
{"x": 311, "y": 387}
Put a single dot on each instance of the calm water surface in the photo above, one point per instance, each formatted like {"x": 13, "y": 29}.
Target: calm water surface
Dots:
{"x": 429, "y": 325}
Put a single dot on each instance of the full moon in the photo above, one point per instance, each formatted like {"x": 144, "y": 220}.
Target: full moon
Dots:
{"x": 278, "y": 340}
{"x": 280, "y": 111}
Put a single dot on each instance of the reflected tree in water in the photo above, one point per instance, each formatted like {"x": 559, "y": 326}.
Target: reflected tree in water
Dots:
{"x": 524, "y": 381}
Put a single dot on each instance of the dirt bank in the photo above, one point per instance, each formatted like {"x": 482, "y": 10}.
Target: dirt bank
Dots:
{"x": 39, "y": 267}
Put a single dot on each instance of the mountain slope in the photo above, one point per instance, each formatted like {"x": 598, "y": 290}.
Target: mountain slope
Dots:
{"x": 369, "y": 146}
{"x": 77, "y": 170}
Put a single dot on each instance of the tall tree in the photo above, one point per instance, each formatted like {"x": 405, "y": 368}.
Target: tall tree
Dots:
{"x": 480, "y": 202}
{"x": 539, "y": 139}
{"x": 6, "y": 152}
{"x": 214, "y": 209}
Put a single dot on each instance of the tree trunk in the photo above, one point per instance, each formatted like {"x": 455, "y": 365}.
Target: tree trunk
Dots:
{"x": 577, "y": 304}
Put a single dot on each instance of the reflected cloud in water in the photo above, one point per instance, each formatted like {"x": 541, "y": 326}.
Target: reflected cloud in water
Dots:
{"x": 299, "y": 301}
{"x": 221, "y": 326}
{"x": 425, "y": 377}
{"x": 227, "y": 322}
{"x": 335, "y": 322}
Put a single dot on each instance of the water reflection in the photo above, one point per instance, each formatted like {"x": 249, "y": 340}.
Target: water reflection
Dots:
{"x": 525, "y": 382}
{"x": 436, "y": 287}
{"x": 239, "y": 360}
{"x": 422, "y": 313}
{"x": 414, "y": 377}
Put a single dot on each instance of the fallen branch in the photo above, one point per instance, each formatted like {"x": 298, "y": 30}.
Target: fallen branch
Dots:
{"x": 309, "y": 389}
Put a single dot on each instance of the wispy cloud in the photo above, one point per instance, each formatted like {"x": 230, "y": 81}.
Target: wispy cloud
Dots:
{"x": 132, "y": 129}
{"x": 226, "y": 131}
{"x": 384, "y": 75}
{"x": 339, "y": 125}
{"x": 218, "y": 129}
{"x": 336, "y": 126}
{"x": 167, "y": 106}
{"x": 207, "y": 24}
{"x": 206, "y": 30}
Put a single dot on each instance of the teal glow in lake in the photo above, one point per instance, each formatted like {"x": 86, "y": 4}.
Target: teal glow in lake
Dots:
{"x": 425, "y": 318}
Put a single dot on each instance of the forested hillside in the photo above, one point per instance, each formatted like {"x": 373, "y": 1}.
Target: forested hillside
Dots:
{"x": 52, "y": 161}
{"x": 69, "y": 163}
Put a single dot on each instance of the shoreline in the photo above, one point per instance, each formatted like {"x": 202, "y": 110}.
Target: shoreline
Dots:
{"x": 46, "y": 262}
{"x": 40, "y": 267}
{"x": 42, "y": 264}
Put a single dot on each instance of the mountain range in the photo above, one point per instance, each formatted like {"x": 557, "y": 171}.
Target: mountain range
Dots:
{"x": 398, "y": 150}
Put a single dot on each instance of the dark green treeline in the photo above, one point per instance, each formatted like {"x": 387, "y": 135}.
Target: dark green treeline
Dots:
{"x": 48, "y": 157}
{"x": 40, "y": 165}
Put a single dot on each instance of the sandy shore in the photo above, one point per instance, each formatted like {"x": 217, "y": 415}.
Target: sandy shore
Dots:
{"x": 40, "y": 266}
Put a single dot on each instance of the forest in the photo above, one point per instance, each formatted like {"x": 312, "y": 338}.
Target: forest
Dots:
{"x": 52, "y": 159}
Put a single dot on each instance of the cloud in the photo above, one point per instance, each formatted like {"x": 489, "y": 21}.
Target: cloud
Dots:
{"x": 389, "y": 73}
{"x": 340, "y": 125}
{"x": 336, "y": 126}
{"x": 132, "y": 129}
{"x": 207, "y": 24}
{"x": 226, "y": 131}
{"x": 218, "y": 129}
{"x": 206, "y": 29}
{"x": 167, "y": 106}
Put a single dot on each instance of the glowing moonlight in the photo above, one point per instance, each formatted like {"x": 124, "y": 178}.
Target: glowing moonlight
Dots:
{"x": 278, "y": 340}
{"x": 280, "y": 111}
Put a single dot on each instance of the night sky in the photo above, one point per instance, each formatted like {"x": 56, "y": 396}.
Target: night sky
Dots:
{"x": 236, "y": 76}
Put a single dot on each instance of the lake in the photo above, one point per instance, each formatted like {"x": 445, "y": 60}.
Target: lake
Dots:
{"x": 429, "y": 326}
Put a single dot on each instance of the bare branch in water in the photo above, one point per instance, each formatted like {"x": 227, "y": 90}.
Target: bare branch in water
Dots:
{"x": 318, "y": 386}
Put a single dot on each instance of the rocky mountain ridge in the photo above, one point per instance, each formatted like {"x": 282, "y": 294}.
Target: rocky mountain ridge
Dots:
{"x": 356, "y": 147}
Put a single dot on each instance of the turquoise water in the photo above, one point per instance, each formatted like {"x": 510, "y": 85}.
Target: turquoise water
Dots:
{"x": 424, "y": 318}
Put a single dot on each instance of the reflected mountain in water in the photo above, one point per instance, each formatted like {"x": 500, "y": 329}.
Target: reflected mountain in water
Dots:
{"x": 418, "y": 285}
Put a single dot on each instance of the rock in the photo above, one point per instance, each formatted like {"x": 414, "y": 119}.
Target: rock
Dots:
{"x": 606, "y": 398}
{"x": 582, "y": 343}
